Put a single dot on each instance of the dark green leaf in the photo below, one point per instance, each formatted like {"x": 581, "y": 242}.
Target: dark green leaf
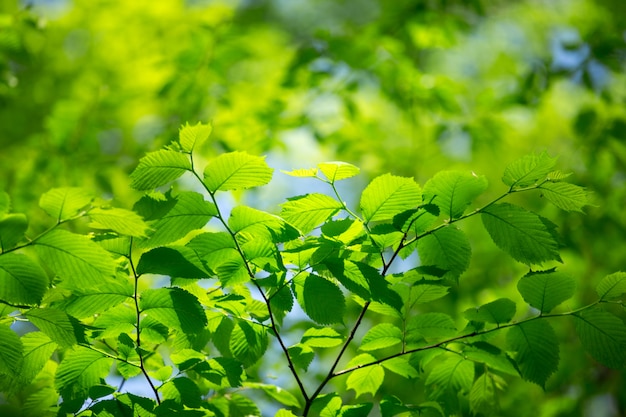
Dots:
{"x": 309, "y": 211}
{"x": 491, "y": 356}
{"x": 248, "y": 342}
{"x": 432, "y": 325}
{"x": 612, "y": 286}
{"x": 321, "y": 299}
{"x": 454, "y": 374}
{"x": 545, "y": 290}
{"x": 387, "y": 196}
{"x": 182, "y": 391}
{"x": 65, "y": 203}
{"x": 528, "y": 170}
{"x": 175, "y": 308}
{"x": 236, "y": 170}
{"x": 603, "y": 335}
{"x": 453, "y": 191}
{"x": 277, "y": 393}
{"x": 499, "y": 312}
{"x": 176, "y": 262}
{"x": 22, "y": 281}
{"x": 484, "y": 393}
{"x": 12, "y": 229}
{"x": 536, "y": 348}
{"x": 301, "y": 356}
{"x": 159, "y": 168}
{"x": 448, "y": 248}
{"x": 327, "y": 405}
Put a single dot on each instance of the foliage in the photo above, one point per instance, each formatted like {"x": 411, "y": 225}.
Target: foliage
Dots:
{"x": 153, "y": 295}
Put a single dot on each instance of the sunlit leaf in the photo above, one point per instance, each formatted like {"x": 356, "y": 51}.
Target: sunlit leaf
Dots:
{"x": 365, "y": 380}
{"x": 526, "y": 236}
{"x": 324, "y": 337}
{"x": 321, "y": 299}
{"x": 453, "y": 191}
{"x": 79, "y": 370}
{"x": 302, "y": 173}
{"x": 484, "y": 394}
{"x": 248, "y": 342}
{"x": 277, "y": 393}
{"x": 335, "y": 171}
{"x": 175, "y": 308}
{"x": 448, "y": 248}
{"x": 400, "y": 365}
{"x": 568, "y": 197}
{"x": 12, "y": 229}
{"x": 453, "y": 375}
{"x": 65, "y": 203}
{"x": 58, "y": 325}
{"x": 388, "y": 195}
{"x": 90, "y": 301}
{"x": 432, "y": 325}
{"x": 499, "y": 312}
{"x": 236, "y": 170}
{"x": 381, "y": 336}
{"x": 528, "y": 170}
{"x": 603, "y": 335}
{"x": 536, "y": 348}
{"x": 38, "y": 348}
{"x": 22, "y": 281}
{"x": 309, "y": 211}
{"x": 181, "y": 390}
{"x": 191, "y": 137}
{"x": 214, "y": 248}
{"x": 11, "y": 351}
{"x": 612, "y": 286}
{"x": 545, "y": 290}
{"x": 159, "y": 168}
{"x": 119, "y": 220}
{"x": 257, "y": 223}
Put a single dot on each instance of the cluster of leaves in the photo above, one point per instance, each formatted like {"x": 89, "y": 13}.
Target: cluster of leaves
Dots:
{"x": 82, "y": 314}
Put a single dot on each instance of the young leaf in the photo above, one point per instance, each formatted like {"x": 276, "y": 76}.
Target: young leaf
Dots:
{"x": 308, "y": 211}
{"x": 60, "y": 327}
{"x": 493, "y": 357}
{"x": 336, "y": 171}
{"x": 448, "y": 248}
{"x": 400, "y": 365}
{"x": 526, "y": 236}
{"x": 75, "y": 258}
{"x": 484, "y": 394}
{"x": 65, "y": 203}
{"x": 235, "y": 171}
{"x": 22, "y": 281}
{"x": 214, "y": 249}
{"x": 11, "y": 351}
{"x": 537, "y": 350}
{"x": 324, "y": 337}
{"x": 259, "y": 224}
{"x": 38, "y": 348}
{"x": 453, "y": 191}
{"x": 454, "y": 374}
{"x": 432, "y": 325}
{"x": 90, "y": 301}
{"x": 603, "y": 335}
{"x": 79, "y": 370}
{"x": 365, "y": 380}
{"x": 175, "y": 308}
{"x": 528, "y": 170}
{"x": 159, "y": 168}
{"x": 381, "y": 336}
{"x": 12, "y": 229}
{"x": 612, "y": 286}
{"x": 387, "y": 196}
{"x": 176, "y": 262}
{"x": 191, "y": 137}
{"x": 302, "y": 173}
{"x": 499, "y": 311}
{"x": 568, "y": 197}
{"x": 248, "y": 342}
{"x": 321, "y": 299}
{"x": 124, "y": 222}
{"x": 326, "y": 405}
{"x": 545, "y": 290}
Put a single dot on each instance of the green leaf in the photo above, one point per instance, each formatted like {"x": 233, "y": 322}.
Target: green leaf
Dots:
{"x": 388, "y": 195}
{"x": 448, "y": 248}
{"x": 191, "y": 137}
{"x": 453, "y": 375}
{"x": 182, "y": 391}
{"x": 356, "y": 410}
{"x": 38, "y": 348}
{"x": 235, "y": 171}
{"x": 568, "y": 197}
{"x": 302, "y": 173}
{"x": 491, "y": 356}
{"x": 5, "y": 203}
{"x": 343, "y": 230}
{"x": 11, "y": 351}
{"x": 499, "y": 312}
{"x": 537, "y": 350}
{"x": 58, "y": 325}
{"x": 528, "y": 170}
{"x": 416, "y": 220}
{"x": 381, "y": 336}
{"x": 324, "y": 337}
{"x": 301, "y": 355}
{"x": 176, "y": 262}
{"x": 422, "y": 292}
{"x": 259, "y": 224}
{"x": 309, "y": 211}
{"x": 545, "y": 290}
{"x": 484, "y": 394}
{"x": 453, "y": 191}
{"x": 124, "y": 222}
{"x": 127, "y": 350}
{"x": 190, "y": 212}
{"x": 526, "y": 236}
{"x": 432, "y": 325}
{"x": 12, "y": 229}
{"x": 79, "y": 370}
{"x": 65, "y": 203}
{"x": 91, "y": 301}
{"x": 326, "y": 405}
{"x": 159, "y": 168}
{"x": 248, "y": 342}
{"x": 279, "y": 394}
{"x": 22, "y": 281}
{"x": 603, "y": 335}
{"x": 337, "y": 170}
{"x": 214, "y": 248}
{"x": 75, "y": 258}
{"x": 175, "y": 308}
{"x": 321, "y": 299}
{"x": 365, "y": 380}
{"x": 612, "y": 286}
{"x": 401, "y": 366}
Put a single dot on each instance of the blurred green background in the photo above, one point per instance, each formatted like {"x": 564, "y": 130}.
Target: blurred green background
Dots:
{"x": 405, "y": 86}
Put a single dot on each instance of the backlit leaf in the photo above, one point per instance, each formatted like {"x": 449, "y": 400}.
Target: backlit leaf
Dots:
{"x": 12, "y": 229}
{"x": 324, "y": 337}
{"x": 11, "y": 351}
{"x": 526, "y": 236}
{"x": 236, "y": 170}
{"x": 491, "y": 356}
{"x": 79, "y": 370}
{"x": 321, "y": 299}
{"x": 38, "y": 348}
{"x": 381, "y": 336}
{"x": 528, "y": 170}
{"x": 301, "y": 355}
{"x": 366, "y": 380}
{"x": 453, "y": 191}
{"x": 568, "y": 197}
{"x": 545, "y": 290}
{"x": 257, "y": 223}
{"x": 65, "y": 203}
{"x": 400, "y": 365}
{"x": 176, "y": 262}
{"x": 499, "y": 312}
{"x": 612, "y": 286}
{"x": 279, "y": 394}
{"x": 159, "y": 168}
{"x": 60, "y": 327}
{"x": 536, "y": 348}
{"x": 191, "y": 137}
{"x": 214, "y": 248}
{"x": 175, "y": 308}
{"x": 124, "y": 222}
{"x": 90, "y": 301}
{"x": 448, "y": 248}
{"x": 248, "y": 342}
{"x": 432, "y": 325}
{"x": 336, "y": 171}
{"x": 22, "y": 280}
{"x": 603, "y": 335}
{"x": 484, "y": 394}
{"x": 302, "y": 173}
{"x": 309, "y": 211}
{"x": 453, "y": 375}
{"x": 389, "y": 195}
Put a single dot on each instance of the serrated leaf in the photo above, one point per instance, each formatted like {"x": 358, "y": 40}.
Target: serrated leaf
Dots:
{"x": 214, "y": 248}
{"x": 302, "y": 173}
{"x": 22, "y": 281}
{"x": 88, "y": 302}
{"x": 248, "y": 342}
{"x": 499, "y": 312}
{"x": 301, "y": 355}
{"x": 453, "y": 191}
{"x": 381, "y": 336}
{"x": 537, "y": 350}
{"x": 422, "y": 292}
{"x": 79, "y": 370}
{"x": 11, "y": 351}
{"x": 603, "y": 335}
{"x": 245, "y": 220}
{"x": 124, "y": 222}
{"x": 176, "y": 262}
{"x": 401, "y": 366}
{"x": 191, "y": 137}
{"x": 175, "y": 308}
{"x": 545, "y": 290}
{"x": 388, "y": 195}
{"x": 279, "y": 394}
{"x": 343, "y": 230}
{"x": 320, "y": 299}
{"x": 453, "y": 375}
{"x": 38, "y": 348}
{"x": 12, "y": 229}
{"x": 190, "y": 212}
{"x": 416, "y": 220}
{"x": 127, "y": 350}
{"x": 159, "y": 168}
{"x": 612, "y": 286}
{"x": 526, "y": 236}
{"x": 324, "y": 337}
{"x": 356, "y": 410}
{"x": 568, "y": 197}
{"x": 235, "y": 171}
{"x": 528, "y": 170}
{"x": 336, "y": 170}
{"x": 75, "y": 258}
{"x": 56, "y": 324}
{"x": 326, "y": 405}
{"x": 432, "y": 325}
{"x": 181, "y": 390}
{"x": 448, "y": 248}
{"x": 309, "y": 211}
{"x": 365, "y": 380}
{"x": 65, "y": 203}
{"x": 493, "y": 357}
{"x": 484, "y": 394}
